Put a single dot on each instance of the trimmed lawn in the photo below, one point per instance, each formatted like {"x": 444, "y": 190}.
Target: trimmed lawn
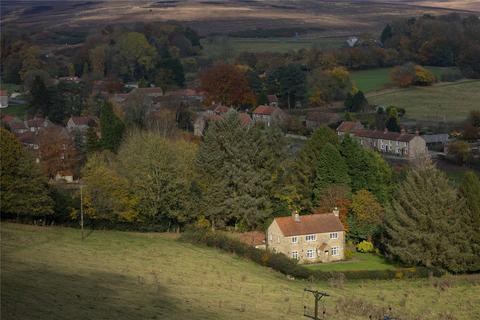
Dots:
{"x": 359, "y": 261}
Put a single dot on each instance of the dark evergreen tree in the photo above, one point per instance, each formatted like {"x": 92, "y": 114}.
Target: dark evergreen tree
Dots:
{"x": 423, "y": 223}
{"x": 304, "y": 168}
{"x": 470, "y": 191}
{"x": 366, "y": 169}
{"x": 386, "y": 33}
{"x": 331, "y": 170}
{"x": 357, "y": 102}
{"x": 392, "y": 123}
{"x": 92, "y": 143}
{"x": 39, "y": 98}
{"x": 111, "y": 127}
{"x": 23, "y": 187}
{"x": 289, "y": 83}
{"x": 237, "y": 164}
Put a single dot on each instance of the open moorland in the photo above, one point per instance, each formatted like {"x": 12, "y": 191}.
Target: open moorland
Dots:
{"x": 442, "y": 102}
{"x": 48, "y": 272}
{"x": 208, "y": 17}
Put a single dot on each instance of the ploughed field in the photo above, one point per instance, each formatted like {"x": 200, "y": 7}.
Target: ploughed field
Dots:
{"x": 49, "y": 273}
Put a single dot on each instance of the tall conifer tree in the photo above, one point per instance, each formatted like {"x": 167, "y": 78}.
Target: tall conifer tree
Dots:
{"x": 423, "y": 223}
{"x": 331, "y": 170}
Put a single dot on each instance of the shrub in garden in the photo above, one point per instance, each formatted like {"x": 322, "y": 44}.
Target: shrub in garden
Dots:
{"x": 365, "y": 246}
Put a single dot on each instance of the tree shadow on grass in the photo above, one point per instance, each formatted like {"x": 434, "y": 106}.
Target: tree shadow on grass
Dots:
{"x": 38, "y": 292}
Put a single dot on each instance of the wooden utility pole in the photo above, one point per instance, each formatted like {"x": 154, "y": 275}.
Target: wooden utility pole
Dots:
{"x": 81, "y": 210}
{"x": 317, "y": 295}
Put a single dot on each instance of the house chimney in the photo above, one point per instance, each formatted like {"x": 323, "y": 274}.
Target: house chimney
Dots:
{"x": 336, "y": 212}
{"x": 417, "y": 132}
{"x": 402, "y": 131}
{"x": 385, "y": 130}
{"x": 296, "y": 216}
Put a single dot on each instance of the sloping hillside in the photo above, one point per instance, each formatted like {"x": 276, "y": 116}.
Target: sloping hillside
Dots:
{"x": 49, "y": 273}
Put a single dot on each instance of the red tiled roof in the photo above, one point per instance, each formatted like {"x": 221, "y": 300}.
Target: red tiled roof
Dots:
{"x": 221, "y": 109}
{"x": 385, "y": 135}
{"x": 265, "y": 110}
{"x": 35, "y": 122}
{"x": 27, "y": 137}
{"x": 82, "y": 121}
{"x": 322, "y": 117}
{"x": 151, "y": 90}
{"x": 347, "y": 126}
{"x": 272, "y": 98}
{"x": 252, "y": 238}
{"x": 8, "y": 118}
{"x": 183, "y": 93}
{"x": 309, "y": 224}
{"x": 17, "y": 124}
{"x": 244, "y": 118}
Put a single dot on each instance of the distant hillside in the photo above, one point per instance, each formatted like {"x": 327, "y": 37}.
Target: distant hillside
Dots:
{"x": 346, "y": 16}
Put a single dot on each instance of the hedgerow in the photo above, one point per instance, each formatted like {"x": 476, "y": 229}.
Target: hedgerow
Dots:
{"x": 290, "y": 267}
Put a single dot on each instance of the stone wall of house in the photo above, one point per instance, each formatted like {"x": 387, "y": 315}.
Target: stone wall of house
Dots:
{"x": 417, "y": 148}
{"x": 322, "y": 246}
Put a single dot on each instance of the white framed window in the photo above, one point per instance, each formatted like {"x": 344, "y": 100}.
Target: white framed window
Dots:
{"x": 310, "y": 253}
{"x": 333, "y": 235}
{"x": 310, "y": 237}
{"x": 295, "y": 255}
{"x": 294, "y": 239}
{"x": 335, "y": 251}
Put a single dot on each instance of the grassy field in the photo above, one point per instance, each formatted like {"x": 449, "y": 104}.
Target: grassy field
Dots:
{"x": 447, "y": 102}
{"x": 360, "y": 261}
{"x": 377, "y": 79}
{"x": 49, "y": 273}
{"x": 18, "y": 110}
{"x": 212, "y": 48}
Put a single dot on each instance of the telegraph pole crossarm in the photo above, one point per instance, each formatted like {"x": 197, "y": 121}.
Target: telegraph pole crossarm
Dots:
{"x": 318, "y": 296}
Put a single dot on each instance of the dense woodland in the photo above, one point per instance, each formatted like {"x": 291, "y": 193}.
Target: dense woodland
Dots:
{"x": 241, "y": 176}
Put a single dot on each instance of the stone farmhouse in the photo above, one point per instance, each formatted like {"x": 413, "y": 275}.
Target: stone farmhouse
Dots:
{"x": 397, "y": 144}
{"x": 268, "y": 115}
{"x": 309, "y": 238}
{"x": 3, "y": 99}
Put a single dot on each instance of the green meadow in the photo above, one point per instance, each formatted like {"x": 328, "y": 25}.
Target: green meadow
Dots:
{"x": 50, "y": 273}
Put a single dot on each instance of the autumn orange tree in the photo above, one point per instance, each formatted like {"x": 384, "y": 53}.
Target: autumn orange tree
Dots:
{"x": 335, "y": 196}
{"x": 226, "y": 84}
{"x": 57, "y": 150}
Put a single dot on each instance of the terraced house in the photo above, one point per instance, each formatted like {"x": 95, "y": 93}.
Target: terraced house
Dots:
{"x": 402, "y": 145}
{"x": 309, "y": 238}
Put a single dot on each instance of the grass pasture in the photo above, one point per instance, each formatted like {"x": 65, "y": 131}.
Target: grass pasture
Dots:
{"x": 236, "y": 45}
{"x": 49, "y": 273}
{"x": 16, "y": 110}
{"x": 378, "y": 79}
{"x": 442, "y": 102}
{"x": 360, "y": 261}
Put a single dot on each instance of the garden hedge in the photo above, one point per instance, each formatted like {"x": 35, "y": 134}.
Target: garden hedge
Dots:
{"x": 283, "y": 264}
